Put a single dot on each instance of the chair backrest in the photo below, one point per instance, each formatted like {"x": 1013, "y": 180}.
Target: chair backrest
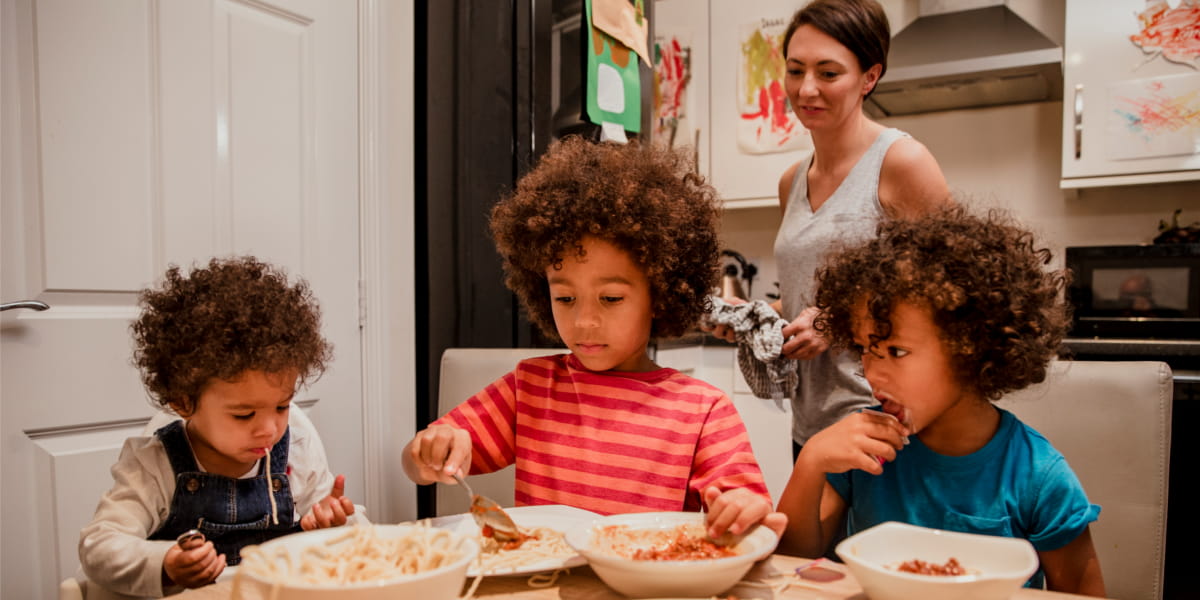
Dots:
{"x": 1112, "y": 422}
{"x": 464, "y": 372}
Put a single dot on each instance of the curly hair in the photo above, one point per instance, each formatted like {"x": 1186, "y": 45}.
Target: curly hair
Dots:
{"x": 235, "y": 315}
{"x": 999, "y": 310}
{"x": 644, "y": 199}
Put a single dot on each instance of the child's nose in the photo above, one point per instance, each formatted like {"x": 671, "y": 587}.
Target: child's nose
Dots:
{"x": 588, "y": 316}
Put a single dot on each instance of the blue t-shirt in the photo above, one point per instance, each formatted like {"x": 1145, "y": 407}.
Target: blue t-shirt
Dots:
{"x": 1016, "y": 485}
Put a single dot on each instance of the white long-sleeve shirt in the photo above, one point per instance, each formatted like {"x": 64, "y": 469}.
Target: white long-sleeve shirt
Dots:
{"x": 113, "y": 550}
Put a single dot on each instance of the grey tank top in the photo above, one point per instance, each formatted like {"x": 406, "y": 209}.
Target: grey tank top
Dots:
{"x": 831, "y": 385}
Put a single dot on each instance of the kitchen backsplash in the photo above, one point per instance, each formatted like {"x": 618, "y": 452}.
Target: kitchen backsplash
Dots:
{"x": 1003, "y": 157}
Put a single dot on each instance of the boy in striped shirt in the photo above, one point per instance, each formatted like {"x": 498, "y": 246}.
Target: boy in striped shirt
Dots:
{"x": 607, "y": 246}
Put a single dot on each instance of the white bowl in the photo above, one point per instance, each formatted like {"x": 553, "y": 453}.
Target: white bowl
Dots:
{"x": 442, "y": 583}
{"x": 650, "y": 578}
{"x": 998, "y": 566}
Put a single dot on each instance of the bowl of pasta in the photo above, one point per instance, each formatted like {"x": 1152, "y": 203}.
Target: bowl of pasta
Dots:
{"x": 363, "y": 562}
{"x": 893, "y": 560}
{"x": 660, "y": 554}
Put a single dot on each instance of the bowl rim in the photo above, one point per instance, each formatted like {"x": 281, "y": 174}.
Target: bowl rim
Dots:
{"x": 579, "y": 538}
{"x": 469, "y": 543}
{"x": 843, "y": 550}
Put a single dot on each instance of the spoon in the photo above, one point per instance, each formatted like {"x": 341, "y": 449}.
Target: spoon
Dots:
{"x": 492, "y": 519}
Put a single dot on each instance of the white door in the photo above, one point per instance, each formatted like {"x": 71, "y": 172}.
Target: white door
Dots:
{"x": 138, "y": 133}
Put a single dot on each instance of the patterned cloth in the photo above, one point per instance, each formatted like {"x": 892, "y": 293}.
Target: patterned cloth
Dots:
{"x": 608, "y": 441}
{"x": 758, "y": 331}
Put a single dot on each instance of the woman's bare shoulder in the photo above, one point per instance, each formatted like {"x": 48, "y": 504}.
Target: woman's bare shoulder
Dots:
{"x": 911, "y": 181}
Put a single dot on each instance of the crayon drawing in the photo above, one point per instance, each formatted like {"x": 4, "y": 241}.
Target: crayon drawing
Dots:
{"x": 1154, "y": 117}
{"x": 765, "y": 120}
{"x": 1173, "y": 33}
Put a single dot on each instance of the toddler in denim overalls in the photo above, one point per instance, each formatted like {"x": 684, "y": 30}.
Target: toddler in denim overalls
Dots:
{"x": 225, "y": 348}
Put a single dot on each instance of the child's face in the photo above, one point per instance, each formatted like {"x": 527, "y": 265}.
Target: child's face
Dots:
{"x": 602, "y": 308}
{"x": 234, "y": 421}
{"x": 910, "y": 372}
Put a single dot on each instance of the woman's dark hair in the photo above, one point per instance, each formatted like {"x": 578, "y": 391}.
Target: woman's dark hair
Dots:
{"x": 235, "y": 315}
{"x": 859, "y": 25}
{"x": 999, "y": 310}
{"x": 645, "y": 199}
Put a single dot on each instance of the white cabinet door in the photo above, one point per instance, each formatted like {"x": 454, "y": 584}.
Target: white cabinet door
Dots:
{"x": 138, "y": 133}
{"x": 1128, "y": 116}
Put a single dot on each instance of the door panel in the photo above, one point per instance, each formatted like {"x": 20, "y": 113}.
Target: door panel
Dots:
{"x": 140, "y": 133}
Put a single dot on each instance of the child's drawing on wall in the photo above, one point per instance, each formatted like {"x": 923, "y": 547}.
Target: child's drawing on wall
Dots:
{"x": 1154, "y": 117}
{"x": 1172, "y": 32}
{"x": 672, "y": 76}
{"x": 766, "y": 123}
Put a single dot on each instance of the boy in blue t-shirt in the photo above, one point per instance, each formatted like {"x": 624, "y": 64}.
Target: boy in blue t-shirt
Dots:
{"x": 949, "y": 312}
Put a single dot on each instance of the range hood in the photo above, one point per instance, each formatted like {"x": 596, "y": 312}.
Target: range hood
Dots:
{"x": 969, "y": 58}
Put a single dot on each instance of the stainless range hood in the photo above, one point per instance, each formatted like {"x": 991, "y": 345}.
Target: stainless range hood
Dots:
{"x": 970, "y": 58}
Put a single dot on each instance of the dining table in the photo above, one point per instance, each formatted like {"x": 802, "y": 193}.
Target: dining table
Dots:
{"x": 771, "y": 578}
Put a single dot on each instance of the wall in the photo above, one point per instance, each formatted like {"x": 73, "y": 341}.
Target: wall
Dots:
{"x": 1008, "y": 157}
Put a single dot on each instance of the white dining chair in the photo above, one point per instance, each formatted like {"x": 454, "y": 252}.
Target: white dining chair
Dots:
{"x": 1112, "y": 422}
{"x": 464, "y": 372}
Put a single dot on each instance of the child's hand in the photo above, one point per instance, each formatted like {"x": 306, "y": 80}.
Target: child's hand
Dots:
{"x": 737, "y": 510}
{"x": 194, "y": 567}
{"x": 437, "y": 452}
{"x": 332, "y": 510}
{"x": 861, "y": 440}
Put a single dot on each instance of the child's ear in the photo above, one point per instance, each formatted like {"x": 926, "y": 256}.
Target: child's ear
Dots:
{"x": 182, "y": 406}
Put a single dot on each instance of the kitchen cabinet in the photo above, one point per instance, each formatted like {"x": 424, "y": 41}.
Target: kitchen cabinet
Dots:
{"x": 769, "y": 425}
{"x": 1129, "y": 116}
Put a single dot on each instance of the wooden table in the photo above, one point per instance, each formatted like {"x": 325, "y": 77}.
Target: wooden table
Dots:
{"x": 765, "y": 582}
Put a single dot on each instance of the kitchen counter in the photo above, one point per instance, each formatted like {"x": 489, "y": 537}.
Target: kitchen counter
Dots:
{"x": 693, "y": 338}
{"x": 1133, "y": 347}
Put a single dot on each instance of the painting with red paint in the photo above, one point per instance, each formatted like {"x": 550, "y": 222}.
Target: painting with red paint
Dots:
{"x": 1158, "y": 116}
{"x": 765, "y": 121}
{"x": 1173, "y": 33}
{"x": 672, "y": 75}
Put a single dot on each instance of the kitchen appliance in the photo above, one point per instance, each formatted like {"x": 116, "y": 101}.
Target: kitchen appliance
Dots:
{"x": 1143, "y": 292}
{"x": 965, "y": 54}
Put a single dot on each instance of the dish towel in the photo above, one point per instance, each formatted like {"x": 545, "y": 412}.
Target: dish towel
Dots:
{"x": 758, "y": 331}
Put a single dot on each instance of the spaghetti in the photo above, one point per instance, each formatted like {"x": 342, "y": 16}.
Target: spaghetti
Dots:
{"x": 540, "y": 544}
{"x": 271, "y": 487}
{"x": 682, "y": 542}
{"x": 359, "y": 555}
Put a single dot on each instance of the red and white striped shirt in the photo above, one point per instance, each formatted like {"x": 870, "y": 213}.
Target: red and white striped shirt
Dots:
{"x": 607, "y": 441}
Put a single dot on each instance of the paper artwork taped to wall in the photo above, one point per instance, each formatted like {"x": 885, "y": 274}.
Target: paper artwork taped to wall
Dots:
{"x": 672, "y": 77}
{"x": 1173, "y": 33}
{"x": 1152, "y": 117}
{"x": 765, "y": 120}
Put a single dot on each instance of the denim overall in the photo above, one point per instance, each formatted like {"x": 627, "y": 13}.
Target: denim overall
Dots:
{"x": 232, "y": 513}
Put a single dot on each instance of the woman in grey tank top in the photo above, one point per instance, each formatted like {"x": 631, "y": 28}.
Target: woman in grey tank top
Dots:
{"x": 859, "y": 172}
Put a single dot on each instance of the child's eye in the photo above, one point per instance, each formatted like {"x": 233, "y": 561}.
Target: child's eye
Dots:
{"x": 895, "y": 352}
{"x": 283, "y": 408}
{"x": 243, "y": 417}
{"x": 611, "y": 299}
{"x": 564, "y": 299}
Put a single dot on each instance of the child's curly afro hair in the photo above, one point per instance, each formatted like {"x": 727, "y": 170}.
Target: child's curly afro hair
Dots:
{"x": 643, "y": 199}
{"x": 235, "y": 315}
{"x": 999, "y": 310}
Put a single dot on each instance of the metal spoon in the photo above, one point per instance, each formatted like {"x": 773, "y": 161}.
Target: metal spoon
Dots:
{"x": 490, "y": 517}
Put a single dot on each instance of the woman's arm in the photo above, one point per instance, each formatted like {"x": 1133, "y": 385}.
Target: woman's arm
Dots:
{"x": 785, "y": 186}
{"x": 911, "y": 182}
{"x": 1074, "y": 568}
